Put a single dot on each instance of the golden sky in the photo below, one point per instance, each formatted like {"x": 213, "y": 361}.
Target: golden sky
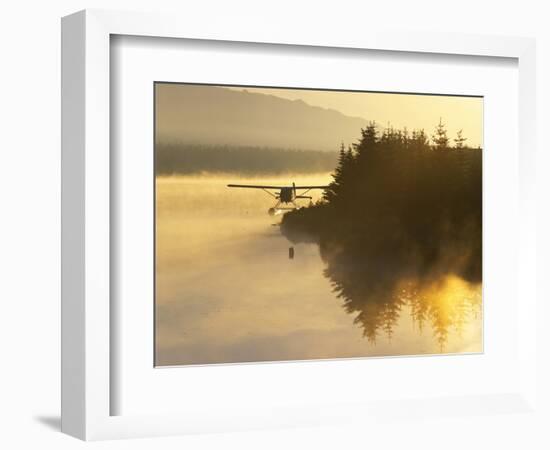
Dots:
{"x": 400, "y": 110}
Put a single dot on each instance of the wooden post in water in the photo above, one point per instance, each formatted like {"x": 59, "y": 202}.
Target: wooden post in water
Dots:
{"x": 291, "y": 253}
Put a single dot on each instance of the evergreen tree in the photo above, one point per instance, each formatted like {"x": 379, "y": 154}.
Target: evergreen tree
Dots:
{"x": 369, "y": 134}
{"x": 439, "y": 138}
{"x": 369, "y": 138}
{"x": 419, "y": 140}
{"x": 459, "y": 140}
{"x": 334, "y": 187}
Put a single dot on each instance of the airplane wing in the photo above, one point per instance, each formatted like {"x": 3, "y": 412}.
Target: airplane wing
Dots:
{"x": 254, "y": 187}
{"x": 250, "y": 186}
{"x": 311, "y": 187}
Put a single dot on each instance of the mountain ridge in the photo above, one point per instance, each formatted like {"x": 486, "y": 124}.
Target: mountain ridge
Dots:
{"x": 213, "y": 115}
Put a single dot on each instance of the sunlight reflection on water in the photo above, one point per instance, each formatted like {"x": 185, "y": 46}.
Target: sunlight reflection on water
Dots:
{"x": 226, "y": 290}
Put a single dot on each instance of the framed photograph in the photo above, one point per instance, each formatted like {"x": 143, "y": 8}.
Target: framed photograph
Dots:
{"x": 258, "y": 222}
{"x": 333, "y": 251}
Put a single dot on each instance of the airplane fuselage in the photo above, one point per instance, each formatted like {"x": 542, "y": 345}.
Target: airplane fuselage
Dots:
{"x": 287, "y": 195}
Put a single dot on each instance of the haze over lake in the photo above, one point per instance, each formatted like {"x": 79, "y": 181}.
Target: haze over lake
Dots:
{"x": 227, "y": 291}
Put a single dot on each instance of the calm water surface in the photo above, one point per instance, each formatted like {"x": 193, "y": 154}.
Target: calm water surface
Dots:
{"x": 226, "y": 290}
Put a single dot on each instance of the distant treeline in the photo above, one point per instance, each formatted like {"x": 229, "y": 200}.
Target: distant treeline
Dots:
{"x": 178, "y": 158}
{"x": 400, "y": 208}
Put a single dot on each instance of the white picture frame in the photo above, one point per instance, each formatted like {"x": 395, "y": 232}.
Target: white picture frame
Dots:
{"x": 87, "y": 354}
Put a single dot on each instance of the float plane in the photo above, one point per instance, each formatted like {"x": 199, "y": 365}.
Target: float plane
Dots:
{"x": 285, "y": 195}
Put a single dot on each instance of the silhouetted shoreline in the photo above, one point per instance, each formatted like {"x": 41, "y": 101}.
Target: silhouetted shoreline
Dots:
{"x": 401, "y": 216}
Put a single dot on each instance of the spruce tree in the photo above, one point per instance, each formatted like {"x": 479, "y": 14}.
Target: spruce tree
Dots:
{"x": 334, "y": 188}
{"x": 459, "y": 140}
{"x": 369, "y": 138}
{"x": 439, "y": 138}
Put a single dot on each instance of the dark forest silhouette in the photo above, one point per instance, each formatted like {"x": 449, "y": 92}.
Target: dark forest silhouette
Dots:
{"x": 402, "y": 217}
{"x": 180, "y": 158}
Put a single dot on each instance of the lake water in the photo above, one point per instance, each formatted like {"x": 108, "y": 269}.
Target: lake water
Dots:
{"x": 227, "y": 291}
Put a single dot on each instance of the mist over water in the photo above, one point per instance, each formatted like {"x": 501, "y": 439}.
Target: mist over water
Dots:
{"x": 226, "y": 290}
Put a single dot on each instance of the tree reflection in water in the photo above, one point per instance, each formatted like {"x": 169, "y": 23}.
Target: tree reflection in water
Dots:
{"x": 377, "y": 301}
